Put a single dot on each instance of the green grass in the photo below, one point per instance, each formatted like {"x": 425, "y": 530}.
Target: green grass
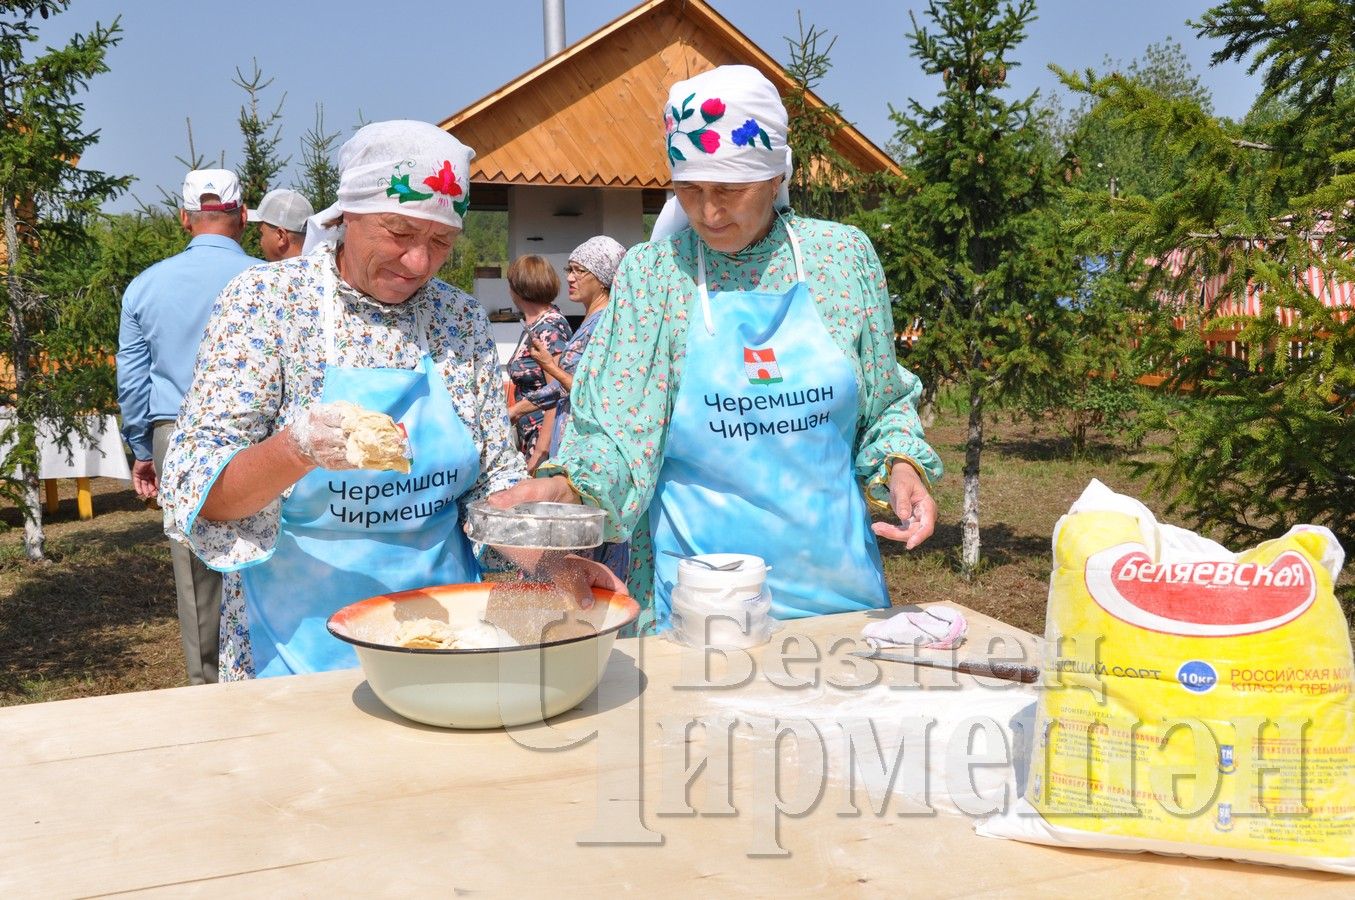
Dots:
{"x": 99, "y": 617}
{"x": 1028, "y": 478}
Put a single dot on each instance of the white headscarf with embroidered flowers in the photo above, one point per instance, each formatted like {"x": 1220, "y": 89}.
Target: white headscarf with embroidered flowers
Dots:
{"x": 725, "y": 125}
{"x": 403, "y": 166}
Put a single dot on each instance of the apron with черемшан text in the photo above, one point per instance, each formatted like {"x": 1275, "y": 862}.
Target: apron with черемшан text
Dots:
{"x": 758, "y": 457}
{"x": 351, "y": 534}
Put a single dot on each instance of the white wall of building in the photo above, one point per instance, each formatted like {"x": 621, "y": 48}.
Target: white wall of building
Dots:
{"x": 622, "y": 216}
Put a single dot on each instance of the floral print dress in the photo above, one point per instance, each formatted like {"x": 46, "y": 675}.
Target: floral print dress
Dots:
{"x": 262, "y": 362}
{"x": 553, "y": 330}
{"x": 554, "y": 393}
{"x": 630, "y": 372}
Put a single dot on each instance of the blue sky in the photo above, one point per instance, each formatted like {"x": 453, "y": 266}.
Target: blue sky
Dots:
{"x": 426, "y": 59}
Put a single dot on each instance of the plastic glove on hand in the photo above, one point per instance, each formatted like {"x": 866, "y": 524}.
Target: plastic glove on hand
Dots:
{"x": 320, "y": 437}
{"x": 555, "y": 489}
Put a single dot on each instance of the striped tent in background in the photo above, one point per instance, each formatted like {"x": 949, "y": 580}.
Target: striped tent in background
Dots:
{"x": 1207, "y": 297}
{"x": 1203, "y": 293}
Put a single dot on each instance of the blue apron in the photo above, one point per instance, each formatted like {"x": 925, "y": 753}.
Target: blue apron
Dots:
{"x": 758, "y": 457}
{"x": 349, "y": 535}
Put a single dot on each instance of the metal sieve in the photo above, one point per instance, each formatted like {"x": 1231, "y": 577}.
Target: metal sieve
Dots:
{"x": 535, "y": 526}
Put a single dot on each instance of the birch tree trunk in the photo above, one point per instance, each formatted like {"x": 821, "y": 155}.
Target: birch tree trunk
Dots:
{"x": 25, "y": 432}
{"x": 969, "y": 520}
{"x": 34, "y": 539}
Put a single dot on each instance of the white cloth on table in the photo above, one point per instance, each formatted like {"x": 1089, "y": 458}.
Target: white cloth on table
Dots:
{"x": 101, "y": 456}
{"x": 934, "y": 628}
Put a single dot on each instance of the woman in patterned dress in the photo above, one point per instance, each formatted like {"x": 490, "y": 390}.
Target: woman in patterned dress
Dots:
{"x": 741, "y": 394}
{"x": 533, "y": 286}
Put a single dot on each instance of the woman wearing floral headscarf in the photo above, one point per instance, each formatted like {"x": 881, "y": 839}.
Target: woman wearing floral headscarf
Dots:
{"x": 743, "y": 394}
{"x": 258, "y": 480}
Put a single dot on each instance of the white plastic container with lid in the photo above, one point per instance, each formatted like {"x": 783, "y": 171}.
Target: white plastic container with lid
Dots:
{"x": 728, "y": 609}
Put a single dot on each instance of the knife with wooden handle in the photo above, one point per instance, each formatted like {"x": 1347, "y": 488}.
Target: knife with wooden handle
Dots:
{"x": 1008, "y": 671}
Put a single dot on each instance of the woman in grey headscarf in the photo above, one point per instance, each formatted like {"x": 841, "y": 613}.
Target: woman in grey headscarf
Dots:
{"x": 591, "y": 268}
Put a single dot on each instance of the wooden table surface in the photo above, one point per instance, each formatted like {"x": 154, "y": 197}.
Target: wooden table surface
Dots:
{"x": 308, "y": 785}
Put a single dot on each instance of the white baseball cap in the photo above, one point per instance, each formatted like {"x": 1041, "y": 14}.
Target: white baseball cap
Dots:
{"x": 284, "y": 208}
{"x": 221, "y": 182}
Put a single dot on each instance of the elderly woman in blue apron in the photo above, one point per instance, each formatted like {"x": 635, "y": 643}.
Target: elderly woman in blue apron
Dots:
{"x": 257, "y": 480}
{"x": 742, "y": 392}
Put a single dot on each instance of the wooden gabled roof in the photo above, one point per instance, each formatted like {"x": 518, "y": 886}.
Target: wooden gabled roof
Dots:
{"x": 590, "y": 116}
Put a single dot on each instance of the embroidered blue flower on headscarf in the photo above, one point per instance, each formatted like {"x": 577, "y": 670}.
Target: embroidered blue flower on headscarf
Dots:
{"x": 745, "y": 133}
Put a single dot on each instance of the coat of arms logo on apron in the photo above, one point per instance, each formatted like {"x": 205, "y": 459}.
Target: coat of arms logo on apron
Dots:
{"x": 761, "y": 366}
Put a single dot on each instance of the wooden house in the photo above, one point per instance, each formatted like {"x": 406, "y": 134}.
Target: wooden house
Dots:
{"x": 575, "y": 146}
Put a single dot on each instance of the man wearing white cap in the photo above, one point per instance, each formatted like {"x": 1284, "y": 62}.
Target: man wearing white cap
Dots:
{"x": 282, "y": 216}
{"x": 260, "y": 480}
{"x": 164, "y": 314}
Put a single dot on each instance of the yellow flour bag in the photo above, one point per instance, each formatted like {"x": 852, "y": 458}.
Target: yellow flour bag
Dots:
{"x": 1194, "y": 701}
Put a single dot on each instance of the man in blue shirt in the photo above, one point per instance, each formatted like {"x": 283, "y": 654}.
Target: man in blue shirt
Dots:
{"x": 164, "y": 314}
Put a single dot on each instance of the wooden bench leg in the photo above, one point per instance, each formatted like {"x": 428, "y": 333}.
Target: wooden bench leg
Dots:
{"x": 84, "y": 501}
{"x": 53, "y": 495}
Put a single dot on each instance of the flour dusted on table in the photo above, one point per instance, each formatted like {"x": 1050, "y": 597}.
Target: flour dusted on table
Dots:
{"x": 1195, "y": 701}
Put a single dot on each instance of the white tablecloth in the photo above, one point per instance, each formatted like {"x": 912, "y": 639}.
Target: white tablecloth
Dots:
{"x": 100, "y": 457}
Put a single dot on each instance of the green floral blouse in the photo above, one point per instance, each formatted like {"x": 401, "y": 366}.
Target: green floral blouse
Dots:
{"x": 629, "y": 376}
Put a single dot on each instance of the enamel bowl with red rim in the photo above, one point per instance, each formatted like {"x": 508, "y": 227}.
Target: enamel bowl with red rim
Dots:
{"x": 556, "y": 659}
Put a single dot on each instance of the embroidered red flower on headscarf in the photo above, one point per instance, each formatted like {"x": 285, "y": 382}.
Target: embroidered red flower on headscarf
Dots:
{"x": 710, "y": 141}
{"x": 444, "y": 182}
{"x": 713, "y": 109}
{"x": 669, "y": 126}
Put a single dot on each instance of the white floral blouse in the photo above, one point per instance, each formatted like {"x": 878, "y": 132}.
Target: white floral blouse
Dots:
{"x": 262, "y": 361}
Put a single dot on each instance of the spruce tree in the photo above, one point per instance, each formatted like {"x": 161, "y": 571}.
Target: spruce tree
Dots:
{"x": 259, "y": 164}
{"x": 1111, "y": 155}
{"x": 968, "y": 237}
{"x": 1269, "y": 434}
{"x": 824, "y": 184}
{"x": 59, "y": 367}
{"x": 319, "y": 175}
{"x": 1100, "y": 391}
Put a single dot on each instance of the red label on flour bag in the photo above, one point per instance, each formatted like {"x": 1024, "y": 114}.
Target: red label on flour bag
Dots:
{"x": 1200, "y": 598}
